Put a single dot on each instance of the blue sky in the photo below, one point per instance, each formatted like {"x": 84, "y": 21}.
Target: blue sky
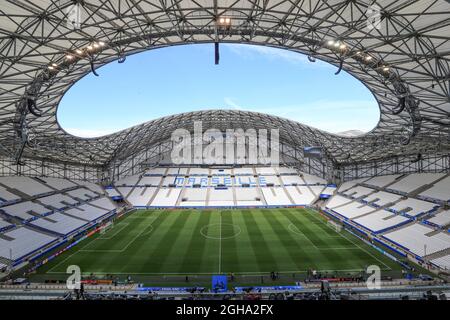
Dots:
{"x": 179, "y": 79}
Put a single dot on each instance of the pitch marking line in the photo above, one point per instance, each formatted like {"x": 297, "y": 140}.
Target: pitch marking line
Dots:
{"x": 110, "y": 236}
{"x": 356, "y": 244}
{"x": 213, "y": 273}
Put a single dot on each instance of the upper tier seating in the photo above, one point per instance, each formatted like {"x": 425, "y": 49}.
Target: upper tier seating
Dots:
{"x": 276, "y": 196}
{"x": 317, "y": 190}
{"x": 268, "y": 180}
{"x": 26, "y": 185}
{"x": 353, "y": 210}
{"x": 150, "y": 181}
{"x": 328, "y": 190}
{"x": 439, "y": 191}
{"x": 266, "y": 171}
{"x": 91, "y": 186}
{"x": 86, "y": 212}
{"x": 6, "y": 196}
{"x": 292, "y": 180}
{"x": 441, "y": 218}
{"x": 414, "y": 181}
{"x": 382, "y": 181}
{"x": 58, "y": 184}
{"x": 442, "y": 262}
{"x": 24, "y": 242}
{"x": 158, "y": 171}
{"x": 287, "y": 170}
{"x": 417, "y": 206}
{"x": 57, "y": 201}
{"x": 246, "y": 171}
{"x": 358, "y": 191}
{"x": 198, "y": 171}
{"x": 380, "y": 220}
{"x": 82, "y": 193}
{"x": 349, "y": 184}
{"x": 336, "y": 201}
{"x": 21, "y": 210}
{"x": 59, "y": 223}
{"x": 310, "y": 179}
{"x": 141, "y": 196}
{"x": 128, "y": 181}
{"x": 415, "y": 238}
{"x": 301, "y": 195}
{"x": 221, "y": 172}
{"x": 166, "y": 197}
{"x": 103, "y": 203}
{"x": 382, "y": 198}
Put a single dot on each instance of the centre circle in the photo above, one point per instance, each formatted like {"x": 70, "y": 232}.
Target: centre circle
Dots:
{"x": 219, "y": 231}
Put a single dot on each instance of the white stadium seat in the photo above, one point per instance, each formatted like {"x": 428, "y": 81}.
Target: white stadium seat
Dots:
{"x": 26, "y": 185}
{"x": 439, "y": 191}
{"x": 414, "y": 181}
{"x": 59, "y": 223}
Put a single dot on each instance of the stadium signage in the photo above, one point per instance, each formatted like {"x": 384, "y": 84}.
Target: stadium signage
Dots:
{"x": 232, "y": 146}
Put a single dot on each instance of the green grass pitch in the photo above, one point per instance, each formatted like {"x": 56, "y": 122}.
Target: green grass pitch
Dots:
{"x": 203, "y": 242}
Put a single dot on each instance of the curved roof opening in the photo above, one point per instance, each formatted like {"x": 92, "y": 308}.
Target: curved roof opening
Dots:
{"x": 184, "y": 78}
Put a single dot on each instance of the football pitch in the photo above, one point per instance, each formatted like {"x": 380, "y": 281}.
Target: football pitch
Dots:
{"x": 206, "y": 242}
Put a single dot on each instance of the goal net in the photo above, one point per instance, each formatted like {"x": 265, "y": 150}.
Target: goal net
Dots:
{"x": 105, "y": 227}
{"x": 336, "y": 226}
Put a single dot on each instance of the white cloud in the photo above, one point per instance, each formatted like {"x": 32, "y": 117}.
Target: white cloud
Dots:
{"x": 331, "y": 116}
{"x": 90, "y": 133}
{"x": 250, "y": 51}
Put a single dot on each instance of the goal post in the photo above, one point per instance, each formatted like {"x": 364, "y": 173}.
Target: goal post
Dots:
{"x": 336, "y": 226}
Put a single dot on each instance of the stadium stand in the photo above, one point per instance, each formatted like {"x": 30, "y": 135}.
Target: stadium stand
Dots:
{"x": 58, "y": 201}
{"x": 141, "y": 196}
{"x": 353, "y": 210}
{"x": 301, "y": 195}
{"x": 166, "y": 197}
{"x": 310, "y": 179}
{"x": 92, "y": 186}
{"x": 25, "y": 185}
{"x": 413, "y": 207}
{"x": 248, "y": 197}
{"x": 349, "y": 184}
{"x": 414, "y": 181}
{"x": 276, "y": 196}
{"x": 22, "y": 242}
{"x": 358, "y": 191}
{"x": 382, "y": 181}
{"x": 86, "y": 212}
{"x": 439, "y": 191}
{"x": 59, "y": 223}
{"x": 442, "y": 262}
{"x": 441, "y": 219}
{"x": 58, "y": 184}
{"x": 244, "y": 171}
{"x": 7, "y": 197}
{"x": 128, "y": 181}
{"x": 415, "y": 238}
{"x": 219, "y": 197}
{"x": 381, "y": 198}
{"x": 25, "y": 210}
{"x": 150, "y": 181}
{"x": 82, "y": 193}
{"x": 380, "y": 221}
{"x": 292, "y": 180}
{"x": 337, "y": 201}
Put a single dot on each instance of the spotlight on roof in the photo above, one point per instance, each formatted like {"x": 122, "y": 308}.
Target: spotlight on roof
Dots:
{"x": 90, "y": 47}
{"x": 330, "y": 42}
{"x": 337, "y": 44}
{"x": 78, "y": 51}
{"x": 101, "y": 43}
{"x": 368, "y": 58}
{"x": 386, "y": 69}
{"x": 69, "y": 56}
{"x": 342, "y": 46}
{"x": 54, "y": 65}
{"x": 51, "y": 68}
{"x": 96, "y": 45}
{"x": 224, "y": 22}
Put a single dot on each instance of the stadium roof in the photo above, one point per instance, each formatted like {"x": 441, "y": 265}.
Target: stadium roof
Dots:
{"x": 403, "y": 60}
